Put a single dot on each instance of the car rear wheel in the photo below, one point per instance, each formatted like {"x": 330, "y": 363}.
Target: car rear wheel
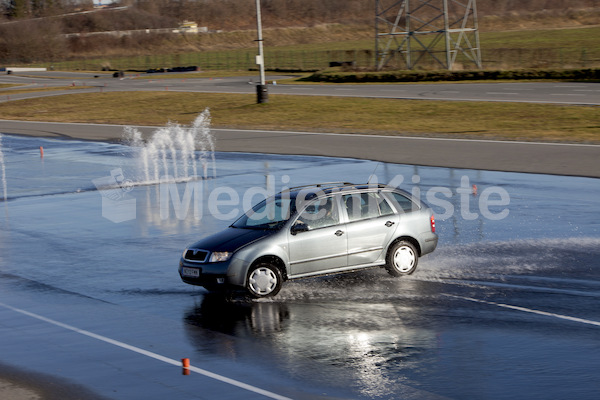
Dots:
{"x": 402, "y": 259}
{"x": 264, "y": 280}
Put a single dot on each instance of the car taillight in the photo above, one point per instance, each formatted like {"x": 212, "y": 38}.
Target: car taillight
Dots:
{"x": 432, "y": 223}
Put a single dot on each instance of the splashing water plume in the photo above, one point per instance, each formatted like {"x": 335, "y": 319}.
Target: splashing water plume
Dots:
{"x": 3, "y": 171}
{"x": 176, "y": 151}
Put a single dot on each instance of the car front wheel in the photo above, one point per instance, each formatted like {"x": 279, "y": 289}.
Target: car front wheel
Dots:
{"x": 264, "y": 280}
{"x": 402, "y": 259}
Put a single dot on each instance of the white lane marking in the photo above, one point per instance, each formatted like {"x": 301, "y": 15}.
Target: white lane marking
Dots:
{"x": 150, "y": 354}
{"x": 528, "y": 310}
{"x": 500, "y": 142}
{"x": 541, "y": 289}
{"x": 381, "y": 136}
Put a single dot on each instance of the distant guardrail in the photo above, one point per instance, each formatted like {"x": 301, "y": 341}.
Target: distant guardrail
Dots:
{"x": 200, "y": 29}
{"x": 9, "y": 70}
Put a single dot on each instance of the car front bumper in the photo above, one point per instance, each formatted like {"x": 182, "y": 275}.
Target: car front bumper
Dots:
{"x": 210, "y": 275}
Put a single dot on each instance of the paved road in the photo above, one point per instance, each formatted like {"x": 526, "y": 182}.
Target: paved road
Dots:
{"x": 534, "y": 92}
{"x": 366, "y": 338}
{"x": 100, "y": 304}
{"x": 547, "y": 158}
{"x": 561, "y": 159}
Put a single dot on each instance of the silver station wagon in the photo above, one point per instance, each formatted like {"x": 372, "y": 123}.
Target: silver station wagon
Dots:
{"x": 306, "y": 231}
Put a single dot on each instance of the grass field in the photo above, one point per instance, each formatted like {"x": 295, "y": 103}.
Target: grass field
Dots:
{"x": 40, "y": 89}
{"x": 504, "y": 121}
{"x": 563, "y": 47}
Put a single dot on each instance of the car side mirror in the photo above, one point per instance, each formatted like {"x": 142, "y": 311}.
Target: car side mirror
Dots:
{"x": 299, "y": 227}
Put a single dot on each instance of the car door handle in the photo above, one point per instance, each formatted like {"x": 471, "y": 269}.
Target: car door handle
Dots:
{"x": 389, "y": 223}
{"x": 339, "y": 233}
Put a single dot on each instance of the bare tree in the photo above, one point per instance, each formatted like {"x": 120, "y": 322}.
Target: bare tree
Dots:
{"x": 31, "y": 41}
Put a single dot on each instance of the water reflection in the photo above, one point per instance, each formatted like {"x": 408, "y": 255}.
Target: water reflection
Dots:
{"x": 379, "y": 336}
{"x": 69, "y": 168}
{"x": 218, "y": 312}
{"x": 384, "y": 337}
{"x": 357, "y": 329}
{"x": 3, "y": 173}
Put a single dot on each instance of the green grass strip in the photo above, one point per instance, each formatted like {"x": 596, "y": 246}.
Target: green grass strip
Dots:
{"x": 481, "y": 120}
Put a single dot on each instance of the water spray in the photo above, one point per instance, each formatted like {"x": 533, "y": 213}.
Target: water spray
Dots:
{"x": 179, "y": 152}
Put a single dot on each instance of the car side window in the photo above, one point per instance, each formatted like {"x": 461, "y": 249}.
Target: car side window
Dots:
{"x": 320, "y": 214}
{"x": 403, "y": 203}
{"x": 384, "y": 206}
{"x": 365, "y": 206}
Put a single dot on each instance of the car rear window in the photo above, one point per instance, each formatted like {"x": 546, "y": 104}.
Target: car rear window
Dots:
{"x": 404, "y": 203}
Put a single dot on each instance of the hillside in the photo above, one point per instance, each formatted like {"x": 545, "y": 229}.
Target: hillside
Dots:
{"x": 27, "y": 40}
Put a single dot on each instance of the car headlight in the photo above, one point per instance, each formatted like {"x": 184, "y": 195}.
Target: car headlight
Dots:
{"x": 220, "y": 256}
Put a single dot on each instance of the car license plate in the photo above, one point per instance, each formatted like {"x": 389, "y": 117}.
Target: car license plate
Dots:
{"x": 190, "y": 272}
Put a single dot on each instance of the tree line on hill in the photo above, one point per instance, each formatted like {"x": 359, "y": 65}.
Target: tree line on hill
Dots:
{"x": 36, "y": 30}
{"x": 239, "y": 14}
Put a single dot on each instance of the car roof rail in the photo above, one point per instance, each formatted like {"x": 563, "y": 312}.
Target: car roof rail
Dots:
{"x": 321, "y": 185}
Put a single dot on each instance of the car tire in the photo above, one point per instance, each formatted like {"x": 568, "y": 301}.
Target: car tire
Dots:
{"x": 402, "y": 259}
{"x": 264, "y": 280}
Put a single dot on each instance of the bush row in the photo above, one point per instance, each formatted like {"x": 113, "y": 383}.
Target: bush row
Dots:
{"x": 429, "y": 76}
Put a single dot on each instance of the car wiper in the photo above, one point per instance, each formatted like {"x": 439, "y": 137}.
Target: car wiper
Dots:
{"x": 268, "y": 226}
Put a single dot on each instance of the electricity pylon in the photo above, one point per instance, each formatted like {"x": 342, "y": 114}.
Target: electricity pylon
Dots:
{"x": 414, "y": 30}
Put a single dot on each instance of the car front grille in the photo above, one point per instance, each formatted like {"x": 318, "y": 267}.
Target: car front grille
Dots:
{"x": 196, "y": 255}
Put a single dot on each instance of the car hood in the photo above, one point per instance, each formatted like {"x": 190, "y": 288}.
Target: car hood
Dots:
{"x": 231, "y": 239}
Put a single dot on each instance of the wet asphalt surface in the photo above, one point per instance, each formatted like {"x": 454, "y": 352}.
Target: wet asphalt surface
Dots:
{"x": 507, "y": 306}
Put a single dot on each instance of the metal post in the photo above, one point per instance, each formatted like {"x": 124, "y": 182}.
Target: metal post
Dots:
{"x": 476, "y": 27}
{"x": 262, "y": 95}
{"x": 409, "y": 38}
{"x": 447, "y": 36}
{"x": 377, "y": 55}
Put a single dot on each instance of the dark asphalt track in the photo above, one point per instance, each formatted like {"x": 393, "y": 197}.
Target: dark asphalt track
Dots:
{"x": 505, "y": 308}
{"x": 574, "y": 93}
{"x": 546, "y": 158}
{"x": 558, "y": 159}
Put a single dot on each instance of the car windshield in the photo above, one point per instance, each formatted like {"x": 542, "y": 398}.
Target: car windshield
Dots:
{"x": 272, "y": 213}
